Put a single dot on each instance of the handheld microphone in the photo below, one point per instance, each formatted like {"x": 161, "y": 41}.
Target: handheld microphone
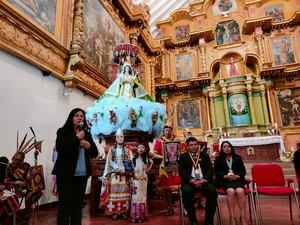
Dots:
{"x": 81, "y": 125}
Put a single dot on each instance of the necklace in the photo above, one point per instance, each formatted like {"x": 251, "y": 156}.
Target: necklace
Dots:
{"x": 195, "y": 162}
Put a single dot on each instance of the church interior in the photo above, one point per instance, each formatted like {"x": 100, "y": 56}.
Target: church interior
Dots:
{"x": 223, "y": 69}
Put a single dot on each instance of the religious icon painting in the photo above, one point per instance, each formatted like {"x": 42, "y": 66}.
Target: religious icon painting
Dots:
{"x": 227, "y": 32}
{"x": 37, "y": 178}
{"x": 283, "y": 52}
{"x": 171, "y": 153}
{"x": 188, "y": 115}
{"x": 223, "y": 7}
{"x": 276, "y": 12}
{"x": 184, "y": 67}
{"x": 182, "y": 32}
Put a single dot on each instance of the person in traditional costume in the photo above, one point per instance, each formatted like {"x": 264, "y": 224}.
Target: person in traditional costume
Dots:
{"x": 186, "y": 134}
{"x": 158, "y": 154}
{"x": 117, "y": 201}
{"x": 75, "y": 148}
{"x": 142, "y": 166}
{"x": 18, "y": 176}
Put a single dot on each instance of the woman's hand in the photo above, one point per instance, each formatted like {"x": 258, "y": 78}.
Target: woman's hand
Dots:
{"x": 85, "y": 144}
{"x": 80, "y": 135}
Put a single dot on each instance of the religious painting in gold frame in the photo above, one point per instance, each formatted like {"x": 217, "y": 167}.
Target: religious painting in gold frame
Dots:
{"x": 182, "y": 32}
{"x": 276, "y": 12}
{"x": 289, "y": 105}
{"x": 227, "y": 32}
{"x": 188, "y": 114}
{"x": 184, "y": 67}
{"x": 42, "y": 12}
{"x": 101, "y": 35}
{"x": 282, "y": 49}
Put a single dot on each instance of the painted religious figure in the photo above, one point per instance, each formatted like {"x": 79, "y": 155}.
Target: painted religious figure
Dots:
{"x": 43, "y": 12}
{"x": 184, "y": 67}
{"x": 289, "y": 104}
{"x": 224, "y": 7}
{"x": 227, "y": 32}
{"x": 182, "y": 32}
{"x": 276, "y": 12}
{"x": 101, "y": 35}
{"x": 171, "y": 153}
{"x": 239, "y": 109}
{"x": 282, "y": 51}
{"x": 188, "y": 114}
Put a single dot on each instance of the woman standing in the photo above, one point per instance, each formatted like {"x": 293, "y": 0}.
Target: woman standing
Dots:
{"x": 118, "y": 201}
{"x": 75, "y": 147}
{"x": 230, "y": 174}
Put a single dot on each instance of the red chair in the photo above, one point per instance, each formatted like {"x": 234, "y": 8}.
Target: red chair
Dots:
{"x": 268, "y": 179}
{"x": 248, "y": 192}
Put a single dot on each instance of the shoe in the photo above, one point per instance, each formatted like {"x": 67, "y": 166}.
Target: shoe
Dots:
{"x": 114, "y": 216}
{"x": 170, "y": 212}
{"x": 194, "y": 222}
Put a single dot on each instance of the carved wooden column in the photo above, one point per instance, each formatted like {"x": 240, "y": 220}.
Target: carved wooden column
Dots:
{"x": 261, "y": 48}
{"x": 75, "y": 62}
{"x": 207, "y": 110}
{"x": 264, "y": 104}
{"x": 212, "y": 109}
{"x": 152, "y": 78}
{"x": 250, "y": 100}
{"x": 203, "y": 58}
{"x": 225, "y": 103}
{"x": 269, "y": 105}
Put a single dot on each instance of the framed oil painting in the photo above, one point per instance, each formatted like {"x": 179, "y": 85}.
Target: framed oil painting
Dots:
{"x": 171, "y": 153}
{"x": 239, "y": 109}
{"x": 276, "y": 12}
{"x": 184, "y": 67}
{"x": 188, "y": 114}
{"x": 37, "y": 178}
{"x": 100, "y": 36}
{"x": 182, "y": 32}
{"x": 222, "y": 7}
{"x": 42, "y": 12}
{"x": 289, "y": 105}
{"x": 283, "y": 52}
{"x": 227, "y": 32}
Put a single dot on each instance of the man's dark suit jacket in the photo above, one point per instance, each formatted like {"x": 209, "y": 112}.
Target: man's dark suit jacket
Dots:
{"x": 186, "y": 165}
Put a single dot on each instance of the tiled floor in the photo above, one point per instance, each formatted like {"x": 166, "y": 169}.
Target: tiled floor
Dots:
{"x": 274, "y": 211}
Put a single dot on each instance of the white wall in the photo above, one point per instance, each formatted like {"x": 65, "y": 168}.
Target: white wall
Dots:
{"x": 29, "y": 99}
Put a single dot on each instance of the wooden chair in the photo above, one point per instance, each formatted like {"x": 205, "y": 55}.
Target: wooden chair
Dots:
{"x": 268, "y": 179}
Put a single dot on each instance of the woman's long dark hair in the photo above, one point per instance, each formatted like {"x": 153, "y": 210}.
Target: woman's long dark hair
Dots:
{"x": 69, "y": 122}
{"x": 144, "y": 157}
{"x": 222, "y": 154}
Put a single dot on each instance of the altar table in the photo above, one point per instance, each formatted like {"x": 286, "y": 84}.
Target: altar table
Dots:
{"x": 257, "y": 149}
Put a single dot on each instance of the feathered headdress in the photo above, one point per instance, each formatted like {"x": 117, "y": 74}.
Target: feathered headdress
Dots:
{"x": 25, "y": 147}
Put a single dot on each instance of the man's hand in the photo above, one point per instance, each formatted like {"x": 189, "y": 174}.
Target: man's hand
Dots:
{"x": 198, "y": 183}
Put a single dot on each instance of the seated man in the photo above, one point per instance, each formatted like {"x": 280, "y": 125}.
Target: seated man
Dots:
{"x": 196, "y": 171}
{"x": 18, "y": 177}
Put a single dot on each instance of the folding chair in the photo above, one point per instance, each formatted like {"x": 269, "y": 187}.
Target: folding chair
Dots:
{"x": 248, "y": 192}
{"x": 268, "y": 179}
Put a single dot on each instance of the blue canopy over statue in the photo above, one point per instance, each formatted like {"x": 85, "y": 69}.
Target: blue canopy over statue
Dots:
{"x": 126, "y": 104}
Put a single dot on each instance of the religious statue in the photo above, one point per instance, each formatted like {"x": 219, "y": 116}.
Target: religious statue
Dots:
{"x": 233, "y": 71}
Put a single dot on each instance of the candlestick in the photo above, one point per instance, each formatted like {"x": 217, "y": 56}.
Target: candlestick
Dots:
{"x": 220, "y": 129}
{"x": 276, "y": 126}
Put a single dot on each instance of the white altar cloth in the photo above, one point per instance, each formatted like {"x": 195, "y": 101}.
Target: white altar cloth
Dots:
{"x": 249, "y": 141}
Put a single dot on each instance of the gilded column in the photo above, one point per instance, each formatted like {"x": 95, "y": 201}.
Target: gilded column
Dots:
{"x": 203, "y": 58}
{"x": 212, "y": 110}
{"x": 261, "y": 48}
{"x": 270, "y": 106}
{"x": 251, "y": 105}
{"x": 264, "y": 103}
{"x": 152, "y": 81}
{"x": 207, "y": 111}
{"x": 227, "y": 119}
{"x": 77, "y": 39}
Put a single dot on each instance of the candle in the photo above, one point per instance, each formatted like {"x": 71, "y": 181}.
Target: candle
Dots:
{"x": 276, "y": 126}
{"x": 220, "y": 129}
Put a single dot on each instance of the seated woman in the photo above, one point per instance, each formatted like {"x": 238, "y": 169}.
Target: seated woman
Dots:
{"x": 230, "y": 174}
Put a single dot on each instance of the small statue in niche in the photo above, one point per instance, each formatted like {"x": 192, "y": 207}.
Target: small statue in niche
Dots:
{"x": 132, "y": 117}
{"x": 232, "y": 71}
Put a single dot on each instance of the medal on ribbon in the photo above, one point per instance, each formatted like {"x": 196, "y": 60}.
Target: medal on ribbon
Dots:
{"x": 195, "y": 163}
